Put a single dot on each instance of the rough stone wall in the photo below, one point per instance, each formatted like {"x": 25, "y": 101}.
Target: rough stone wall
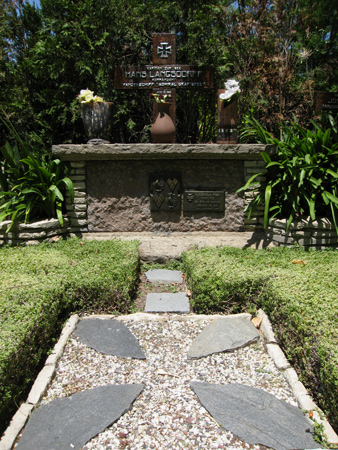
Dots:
{"x": 77, "y": 211}
{"x": 118, "y": 195}
{"x": 256, "y": 221}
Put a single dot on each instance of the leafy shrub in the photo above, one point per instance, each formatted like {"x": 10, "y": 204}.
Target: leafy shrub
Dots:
{"x": 301, "y": 179}
{"x": 30, "y": 187}
{"x": 301, "y": 301}
{"x": 40, "y": 287}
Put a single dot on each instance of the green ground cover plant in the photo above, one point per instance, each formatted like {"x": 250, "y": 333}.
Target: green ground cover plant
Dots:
{"x": 300, "y": 299}
{"x": 40, "y": 287}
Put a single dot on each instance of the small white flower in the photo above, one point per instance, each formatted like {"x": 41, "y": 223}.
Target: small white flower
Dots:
{"x": 85, "y": 92}
{"x": 231, "y": 88}
{"x": 226, "y": 95}
{"x": 89, "y": 97}
{"x": 232, "y": 85}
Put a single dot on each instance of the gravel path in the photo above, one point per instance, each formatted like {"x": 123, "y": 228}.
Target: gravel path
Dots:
{"x": 167, "y": 414}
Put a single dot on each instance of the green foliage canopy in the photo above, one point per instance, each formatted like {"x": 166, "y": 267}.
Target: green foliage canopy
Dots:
{"x": 280, "y": 51}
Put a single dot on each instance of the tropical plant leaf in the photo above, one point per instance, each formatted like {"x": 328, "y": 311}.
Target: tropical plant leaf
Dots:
{"x": 244, "y": 188}
{"x": 331, "y": 197}
{"x": 301, "y": 180}
{"x": 68, "y": 182}
{"x": 267, "y": 197}
{"x": 56, "y": 192}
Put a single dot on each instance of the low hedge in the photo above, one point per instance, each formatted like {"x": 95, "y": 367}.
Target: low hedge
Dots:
{"x": 40, "y": 287}
{"x": 301, "y": 300}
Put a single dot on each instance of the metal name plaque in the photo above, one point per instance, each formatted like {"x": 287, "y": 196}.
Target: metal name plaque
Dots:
{"x": 162, "y": 77}
{"x": 204, "y": 201}
{"x": 165, "y": 191}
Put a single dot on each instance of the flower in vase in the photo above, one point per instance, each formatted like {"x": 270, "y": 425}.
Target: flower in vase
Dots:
{"x": 231, "y": 89}
{"x": 159, "y": 98}
{"x": 87, "y": 96}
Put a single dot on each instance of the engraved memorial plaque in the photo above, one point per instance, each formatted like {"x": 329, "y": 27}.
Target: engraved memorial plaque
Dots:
{"x": 164, "y": 75}
{"x": 326, "y": 101}
{"x": 165, "y": 191}
{"x": 204, "y": 201}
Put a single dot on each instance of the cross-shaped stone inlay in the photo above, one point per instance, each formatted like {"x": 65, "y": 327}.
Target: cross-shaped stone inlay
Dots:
{"x": 166, "y": 412}
{"x": 164, "y": 50}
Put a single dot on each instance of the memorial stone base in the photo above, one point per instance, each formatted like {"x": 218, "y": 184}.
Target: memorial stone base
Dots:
{"x": 161, "y": 187}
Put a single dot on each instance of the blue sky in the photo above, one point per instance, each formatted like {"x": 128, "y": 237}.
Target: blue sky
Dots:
{"x": 36, "y": 2}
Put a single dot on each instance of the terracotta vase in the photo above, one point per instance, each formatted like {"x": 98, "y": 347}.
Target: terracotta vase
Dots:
{"x": 98, "y": 121}
{"x": 163, "y": 130}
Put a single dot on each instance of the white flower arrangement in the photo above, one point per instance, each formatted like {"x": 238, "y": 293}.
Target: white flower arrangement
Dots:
{"x": 87, "y": 96}
{"x": 231, "y": 89}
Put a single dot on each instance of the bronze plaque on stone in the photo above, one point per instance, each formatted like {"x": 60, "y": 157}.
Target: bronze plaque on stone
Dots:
{"x": 165, "y": 191}
{"x": 326, "y": 101}
{"x": 204, "y": 201}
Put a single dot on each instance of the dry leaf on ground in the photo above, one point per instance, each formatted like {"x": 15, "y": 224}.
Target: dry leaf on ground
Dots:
{"x": 257, "y": 321}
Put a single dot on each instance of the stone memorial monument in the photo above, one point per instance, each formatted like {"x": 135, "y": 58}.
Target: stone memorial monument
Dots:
{"x": 162, "y": 187}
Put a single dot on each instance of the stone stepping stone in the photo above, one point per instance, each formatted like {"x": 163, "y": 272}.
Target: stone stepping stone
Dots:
{"x": 69, "y": 422}
{"x": 164, "y": 276}
{"x": 167, "y": 302}
{"x": 256, "y": 416}
{"x": 224, "y": 335}
{"x": 110, "y": 337}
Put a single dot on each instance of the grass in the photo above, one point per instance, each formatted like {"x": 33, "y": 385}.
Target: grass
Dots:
{"x": 40, "y": 287}
{"x": 301, "y": 300}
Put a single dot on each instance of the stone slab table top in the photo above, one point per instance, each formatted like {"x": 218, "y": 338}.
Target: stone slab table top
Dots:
{"x": 87, "y": 152}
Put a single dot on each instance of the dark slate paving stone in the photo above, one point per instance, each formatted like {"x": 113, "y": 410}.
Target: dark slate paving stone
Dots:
{"x": 164, "y": 276}
{"x": 256, "y": 416}
{"x": 224, "y": 335}
{"x": 68, "y": 423}
{"x": 167, "y": 302}
{"x": 110, "y": 337}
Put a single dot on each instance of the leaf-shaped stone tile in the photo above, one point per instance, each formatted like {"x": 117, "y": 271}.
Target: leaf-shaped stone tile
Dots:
{"x": 223, "y": 335}
{"x": 256, "y": 416}
{"x": 69, "y": 422}
{"x": 110, "y": 337}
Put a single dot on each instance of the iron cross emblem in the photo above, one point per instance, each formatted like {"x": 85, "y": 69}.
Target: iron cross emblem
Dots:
{"x": 164, "y": 50}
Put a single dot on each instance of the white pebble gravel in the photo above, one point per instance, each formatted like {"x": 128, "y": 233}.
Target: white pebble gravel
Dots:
{"x": 167, "y": 414}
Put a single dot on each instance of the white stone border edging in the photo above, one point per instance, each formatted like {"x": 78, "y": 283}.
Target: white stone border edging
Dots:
{"x": 299, "y": 391}
{"x": 320, "y": 233}
{"x": 39, "y": 387}
{"x": 46, "y": 375}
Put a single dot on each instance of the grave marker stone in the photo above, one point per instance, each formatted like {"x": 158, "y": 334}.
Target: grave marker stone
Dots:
{"x": 164, "y": 76}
